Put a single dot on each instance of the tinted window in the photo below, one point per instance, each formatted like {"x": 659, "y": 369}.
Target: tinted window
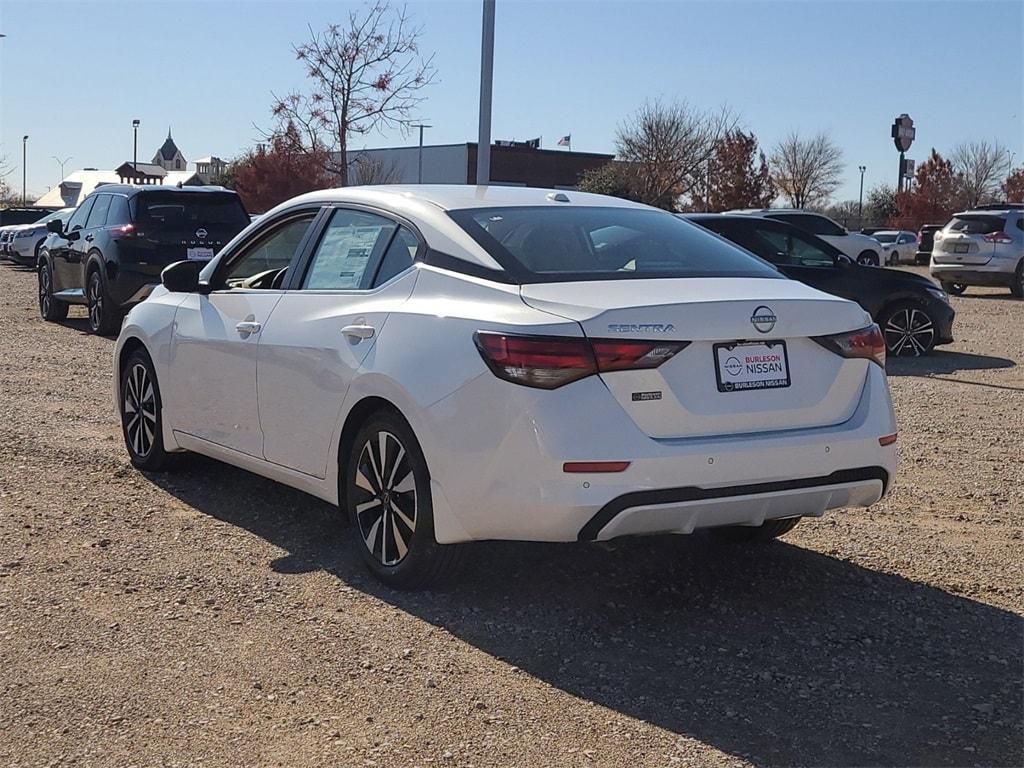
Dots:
{"x": 78, "y": 219}
{"x": 795, "y": 248}
{"x": 98, "y": 215}
{"x": 189, "y": 209}
{"x": 886, "y": 238}
{"x": 272, "y": 252}
{"x": 906, "y": 239}
{"x": 589, "y": 243}
{"x": 398, "y": 257}
{"x": 352, "y": 239}
{"x": 118, "y": 213}
{"x": 976, "y": 225}
{"x": 816, "y": 225}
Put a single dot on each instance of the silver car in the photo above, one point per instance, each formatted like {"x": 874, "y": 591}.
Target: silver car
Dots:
{"x": 983, "y": 246}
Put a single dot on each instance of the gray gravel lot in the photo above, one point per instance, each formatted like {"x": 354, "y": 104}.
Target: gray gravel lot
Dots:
{"x": 210, "y": 617}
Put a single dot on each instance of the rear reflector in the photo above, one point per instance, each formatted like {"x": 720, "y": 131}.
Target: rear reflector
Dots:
{"x": 547, "y": 362}
{"x": 595, "y": 466}
{"x": 867, "y": 343}
{"x": 887, "y": 439}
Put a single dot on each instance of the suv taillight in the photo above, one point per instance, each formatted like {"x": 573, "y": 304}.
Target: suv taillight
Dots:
{"x": 548, "y": 362}
{"x": 867, "y": 343}
{"x": 122, "y": 229}
{"x": 997, "y": 237}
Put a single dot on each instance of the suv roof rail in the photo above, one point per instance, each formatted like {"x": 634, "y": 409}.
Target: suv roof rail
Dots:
{"x": 1000, "y": 207}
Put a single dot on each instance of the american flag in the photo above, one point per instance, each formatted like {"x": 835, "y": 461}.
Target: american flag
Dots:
{"x": 565, "y": 140}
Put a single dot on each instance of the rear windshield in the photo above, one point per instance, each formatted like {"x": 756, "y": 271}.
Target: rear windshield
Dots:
{"x": 188, "y": 209}
{"x": 976, "y": 225}
{"x": 542, "y": 244}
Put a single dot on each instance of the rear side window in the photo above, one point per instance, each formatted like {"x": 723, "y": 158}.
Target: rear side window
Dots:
{"x": 118, "y": 212}
{"x": 98, "y": 215}
{"x": 547, "y": 244}
{"x": 189, "y": 209}
{"x": 350, "y": 243}
{"x": 398, "y": 257}
{"x": 976, "y": 225}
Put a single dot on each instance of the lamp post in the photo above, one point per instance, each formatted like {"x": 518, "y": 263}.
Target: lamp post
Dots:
{"x": 419, "y": 159}
{"x": 61, "y": 164}
{"x": 483, "y": 146}
{"x": 135, "y": 146}
{"x": 24, "y": 174}
{"x": 860, "y": 202}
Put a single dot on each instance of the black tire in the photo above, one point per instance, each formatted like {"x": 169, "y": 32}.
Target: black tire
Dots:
{"x": 388, "y": 497}
{"x": 954, "y": 289}
{"x": 868, "y": 259}
{"x": 921, "y": 259}
{"x": 1017, "y": 286}
{"x": 142, "y": 414}
{"x": 769, "y": 530}
{"x": 908, "y": 329}
{"x": 50, "y": 309}
{"x": 104, "y": 318}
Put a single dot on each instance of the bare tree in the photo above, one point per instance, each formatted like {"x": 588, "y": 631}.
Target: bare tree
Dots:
{"x": 370, "y": 169}
{"x": 981, "y": 167}
{"x": 668, "y": 147}
{"x": 7, "y": 194}
{"x": 366, "y": 75}
{"x": 806, "y": 171}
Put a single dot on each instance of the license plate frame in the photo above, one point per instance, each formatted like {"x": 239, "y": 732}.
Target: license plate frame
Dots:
{"x": 728, "y": 381}
{"x": 199, "y": 254}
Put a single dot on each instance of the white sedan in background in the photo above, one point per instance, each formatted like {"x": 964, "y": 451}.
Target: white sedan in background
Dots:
{"x": 451, "y": 364}
{"x": 898, "y": 246}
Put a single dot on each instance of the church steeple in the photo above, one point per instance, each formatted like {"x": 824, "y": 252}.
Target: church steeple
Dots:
{"x": 169, "y": 157}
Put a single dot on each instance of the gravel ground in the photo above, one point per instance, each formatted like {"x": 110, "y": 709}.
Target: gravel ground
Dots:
{"x": 210, "y": 617}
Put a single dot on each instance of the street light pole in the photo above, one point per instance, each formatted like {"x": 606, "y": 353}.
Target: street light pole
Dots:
{"x": 24, "y": 173}
{"x": 483, "y": 146}
{"x": 419, "y": 159}
{"x": 61, "y": 163}
{"x": 135, "y": 147}
{"x": 860, "y": 202}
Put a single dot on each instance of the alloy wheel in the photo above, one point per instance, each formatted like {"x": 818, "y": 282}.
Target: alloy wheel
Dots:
{"x": 45, "y": 290}
{"x": 140, "y": 410}
{"x": 385, "y": 504}
{"x": 95, "y": 301}
{"x": 909, "y": 331}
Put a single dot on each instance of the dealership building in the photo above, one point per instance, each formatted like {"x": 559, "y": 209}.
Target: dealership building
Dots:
{"x": 512, "y": 163}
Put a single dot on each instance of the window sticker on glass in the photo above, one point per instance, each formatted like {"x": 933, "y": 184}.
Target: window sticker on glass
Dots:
{"x": 345, "y": 250}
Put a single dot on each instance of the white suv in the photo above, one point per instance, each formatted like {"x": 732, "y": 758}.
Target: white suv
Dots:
{"x": 859, "y": 248}
{"x": 984, "y": 246}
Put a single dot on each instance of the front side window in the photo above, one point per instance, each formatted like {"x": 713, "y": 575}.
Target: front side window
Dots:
{"x": 793, "y": 248}
{"x": 271, "y": 253}
{"x": 543, "y": 244}
{"x": 81, "y": 215}
{"x": 352, "y": 241}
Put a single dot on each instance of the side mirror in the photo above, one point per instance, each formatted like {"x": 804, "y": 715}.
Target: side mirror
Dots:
{"x": 56, "y": 226}
{"x": 73, "y": 235}
{"x": 181, "y": 276}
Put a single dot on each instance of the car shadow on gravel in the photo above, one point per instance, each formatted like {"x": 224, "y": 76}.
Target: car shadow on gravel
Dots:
{"x": 941, "y": 361}
{"x": 775, "y": 653}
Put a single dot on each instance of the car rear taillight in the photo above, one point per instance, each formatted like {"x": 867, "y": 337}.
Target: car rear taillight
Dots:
{"x": 548, "y": 362}
{"x": 997, "y": 237}
{"x": 867, "y": 343}
{"x": 122, "y": 229}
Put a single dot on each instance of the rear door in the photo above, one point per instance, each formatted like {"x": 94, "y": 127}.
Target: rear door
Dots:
{"x": 212, "y": 377}
{"x": 967, "y": 239}
{"x": 323, "y": 329}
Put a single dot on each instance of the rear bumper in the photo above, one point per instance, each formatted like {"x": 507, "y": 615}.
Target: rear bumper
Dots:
{"x": 997, "y": 272}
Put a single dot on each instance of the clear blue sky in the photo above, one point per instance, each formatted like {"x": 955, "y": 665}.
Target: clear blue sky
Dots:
{"x": 73, "y": 75}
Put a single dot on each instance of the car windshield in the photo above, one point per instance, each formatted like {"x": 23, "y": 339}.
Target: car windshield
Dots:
{"x": 885, "y": 237}
{"x": 188, "y": 209}
{"x": 543, "y": 244}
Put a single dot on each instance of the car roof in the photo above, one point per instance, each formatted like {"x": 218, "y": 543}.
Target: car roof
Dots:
{"x": 135, "y": 189}
{"x": 988, "y": 212}
{"x": 764, "y": 211}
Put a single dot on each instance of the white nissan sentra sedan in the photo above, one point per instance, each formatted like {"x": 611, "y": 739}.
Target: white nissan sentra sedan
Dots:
{"x": 457, "y": 363}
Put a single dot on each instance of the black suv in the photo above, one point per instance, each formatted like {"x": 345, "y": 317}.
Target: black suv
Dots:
{"x": 110, "y": 254}
{"x": 912, "y": 311}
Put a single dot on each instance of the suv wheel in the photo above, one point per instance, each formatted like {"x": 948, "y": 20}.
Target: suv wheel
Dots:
{"x": 1017, "y": 286}
{"x": 387, "y": 495}
{"x": 50, "y": 309}
{"x": 954, "y": 289}
{"x": 103, "y": 317}
{"x": 771, "y": 529}
{"x": 868, "y": 259}
{"x": 908, "y": 329}
{"x": 141, "y": 414}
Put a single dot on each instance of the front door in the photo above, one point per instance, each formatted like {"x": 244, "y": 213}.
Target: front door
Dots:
{"x": 320, "y": 333}
{"x": 62, "y": 249}
{"x": 212, "y": 372}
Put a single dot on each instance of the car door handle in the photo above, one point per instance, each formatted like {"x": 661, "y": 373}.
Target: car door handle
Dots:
{"x": 247, "y": 327}
{"x": 358, "y": 332}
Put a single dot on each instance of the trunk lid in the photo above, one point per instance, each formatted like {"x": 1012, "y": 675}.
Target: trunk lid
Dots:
{"x": 962, "y": 241}
{"x": 684, "y": 397}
